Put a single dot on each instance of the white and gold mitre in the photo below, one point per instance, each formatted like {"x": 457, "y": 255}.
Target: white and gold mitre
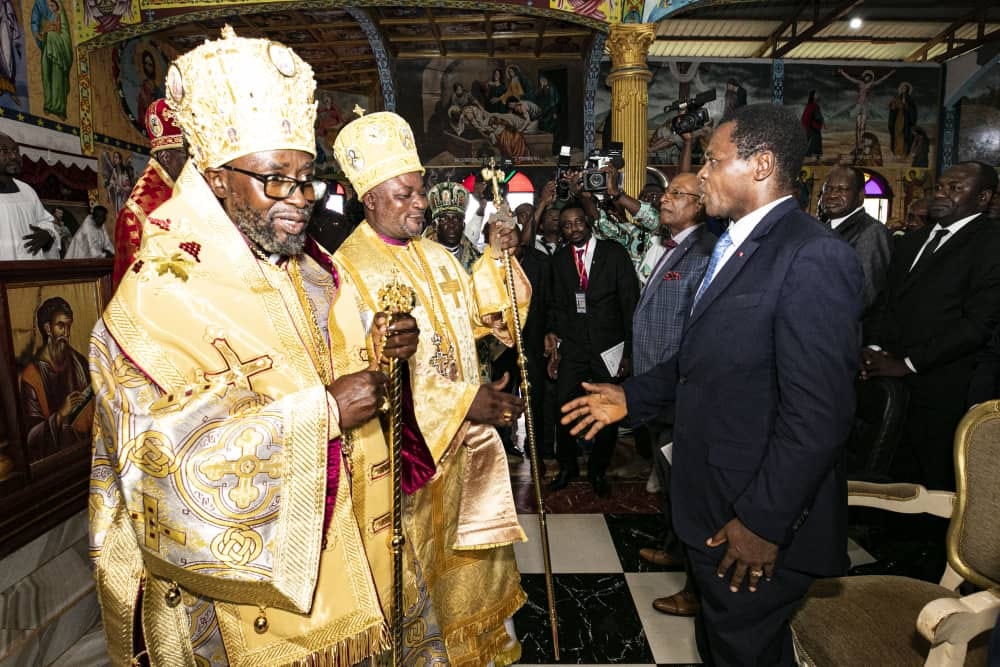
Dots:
{"x": 375, "y": 148}
{"x": 235, "y": 96}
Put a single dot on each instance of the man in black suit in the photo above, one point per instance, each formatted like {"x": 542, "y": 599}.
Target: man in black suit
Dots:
{"x": 842, "y": 207}
{"x": 593, "y": 293}
{"x": 758, "y": 491}
{"x": 940, "y": 306}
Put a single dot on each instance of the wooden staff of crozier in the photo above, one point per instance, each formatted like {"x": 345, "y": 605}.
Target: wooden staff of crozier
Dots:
{"x": 395, "y": 299}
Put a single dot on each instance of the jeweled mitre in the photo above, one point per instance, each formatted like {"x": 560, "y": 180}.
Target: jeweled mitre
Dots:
{"x": 235, "y": 96}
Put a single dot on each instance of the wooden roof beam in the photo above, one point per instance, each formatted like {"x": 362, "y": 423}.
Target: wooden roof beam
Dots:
{"x": 949, "y": 32}
{"x": 957, "y": 50}
{"x": 436, "y": 31}
{"x": 771, "y": 42}
{"x": 489, "y": 34}
{"x": 542, "y": 24}
{"x": 816, "y": 27}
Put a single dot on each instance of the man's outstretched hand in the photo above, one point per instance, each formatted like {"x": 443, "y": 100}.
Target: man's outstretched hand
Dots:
{"x": 604, "y": 404}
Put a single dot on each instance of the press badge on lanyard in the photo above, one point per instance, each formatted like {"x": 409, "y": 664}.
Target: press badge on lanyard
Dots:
{"x": 581, "y": 302}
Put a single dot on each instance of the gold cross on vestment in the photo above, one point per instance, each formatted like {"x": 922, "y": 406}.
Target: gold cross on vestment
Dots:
{"x": 154, "y": 527}
{"x": 450, "y": 286}
{"x": 236, "y": 372}
{"x": 245, "y": 468}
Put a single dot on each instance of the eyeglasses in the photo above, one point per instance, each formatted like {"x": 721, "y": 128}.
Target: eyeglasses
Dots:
{"x": 675, "y": 193}
{"x": 282, "y": 187}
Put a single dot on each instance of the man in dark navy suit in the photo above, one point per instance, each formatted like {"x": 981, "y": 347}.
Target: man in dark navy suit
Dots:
{"x": 763, "y": 385}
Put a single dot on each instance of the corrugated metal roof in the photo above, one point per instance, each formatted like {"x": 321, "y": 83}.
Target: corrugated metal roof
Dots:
{"x": 875, "y": 40}
{"x": 716, "y": 28}
{"x": 703, "y": 49}
{"x": 851, "y": 51}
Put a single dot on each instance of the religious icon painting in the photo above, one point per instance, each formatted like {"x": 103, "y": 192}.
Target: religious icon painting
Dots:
{"x": 49, "y": 309}
{"x": 139, "y": 67}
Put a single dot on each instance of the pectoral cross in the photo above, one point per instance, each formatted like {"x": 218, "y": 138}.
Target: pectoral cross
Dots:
{"x": 443, "y": 360}
{"x": 450, "y": 286}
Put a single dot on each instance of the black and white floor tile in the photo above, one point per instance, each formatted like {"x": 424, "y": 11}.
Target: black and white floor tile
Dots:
{"x": 604, "y": 592}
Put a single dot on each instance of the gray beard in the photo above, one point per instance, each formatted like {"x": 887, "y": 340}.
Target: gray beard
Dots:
{"x": 261, "y": 231}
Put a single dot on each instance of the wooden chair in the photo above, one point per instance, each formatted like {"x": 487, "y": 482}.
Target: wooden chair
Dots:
{"x": 897, "y": 621}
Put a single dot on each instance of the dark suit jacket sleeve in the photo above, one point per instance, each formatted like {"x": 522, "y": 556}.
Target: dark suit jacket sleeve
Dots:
{"x": 878, "y": 322}
{"x": 873, "y": 246}
{"x": 974, "y": 328}
{"x": 649, "y": 394}
{"x": 815, "y": 343}
{"x": 555, "y": 300}
{"x": 628, "y": 295}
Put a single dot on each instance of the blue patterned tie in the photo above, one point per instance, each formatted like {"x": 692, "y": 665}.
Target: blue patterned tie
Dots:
{"x": 721, "y": 246}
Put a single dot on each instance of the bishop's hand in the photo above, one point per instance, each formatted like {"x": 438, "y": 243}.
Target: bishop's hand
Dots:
{"x": 494, "y": 406}
{"x": 359, "y": 396}
{"x": 397, "y": 340}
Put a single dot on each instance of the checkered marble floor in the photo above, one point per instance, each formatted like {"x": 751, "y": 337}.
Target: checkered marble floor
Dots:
{"x": 604, "y": 591}
{"x": 604, "y": 594}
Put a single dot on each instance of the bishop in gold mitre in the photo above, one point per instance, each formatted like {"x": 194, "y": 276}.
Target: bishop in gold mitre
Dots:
{"x": 463, "y": 522}
{"x": 240, "y": 502}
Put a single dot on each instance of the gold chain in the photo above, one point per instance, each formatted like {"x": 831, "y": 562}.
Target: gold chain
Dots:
{"x": 440, "y": 328}
{"x": 318, "y": 349}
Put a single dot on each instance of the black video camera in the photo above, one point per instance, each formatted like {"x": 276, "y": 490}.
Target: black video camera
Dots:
{"x": 562, "y": 166}
{"x": 595, "y": 180}
{"x": 694, "y": 115}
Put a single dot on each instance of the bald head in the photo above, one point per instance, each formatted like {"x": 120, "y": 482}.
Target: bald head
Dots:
{"x": 843, "y": 191}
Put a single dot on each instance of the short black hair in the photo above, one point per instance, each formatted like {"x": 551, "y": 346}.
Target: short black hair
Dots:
{"x": 99, "y": 209}
{"x": 47, "y": 312}
{"x": 575, "y": 203}
{"x": 768, "y": 127}
{"x": 987, "y": 178}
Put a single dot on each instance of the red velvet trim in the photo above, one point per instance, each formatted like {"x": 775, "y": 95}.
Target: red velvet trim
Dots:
{"x": 418, "y": 464}
{"x": 333, "y": 449}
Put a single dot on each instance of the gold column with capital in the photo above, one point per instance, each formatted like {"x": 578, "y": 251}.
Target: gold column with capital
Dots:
{"x": 628, "y": 44}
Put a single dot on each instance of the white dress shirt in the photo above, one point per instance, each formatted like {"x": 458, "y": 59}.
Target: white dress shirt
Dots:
{"x": 588, "y": 254}
{"x": 741, "y": 230}
{"x": 953, "y": 229}
{"x": 836, "y": 222}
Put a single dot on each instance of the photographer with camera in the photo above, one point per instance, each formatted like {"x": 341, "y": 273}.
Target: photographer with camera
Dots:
{"x": 547, "y": 234}
{"x": 641, "y": 238}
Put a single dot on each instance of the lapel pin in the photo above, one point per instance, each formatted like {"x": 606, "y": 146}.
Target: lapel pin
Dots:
{"x": 739, "y": 253}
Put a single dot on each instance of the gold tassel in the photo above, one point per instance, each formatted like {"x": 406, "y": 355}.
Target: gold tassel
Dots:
{"x": 373, "y": 643}
{"x": 471, "y": 631}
